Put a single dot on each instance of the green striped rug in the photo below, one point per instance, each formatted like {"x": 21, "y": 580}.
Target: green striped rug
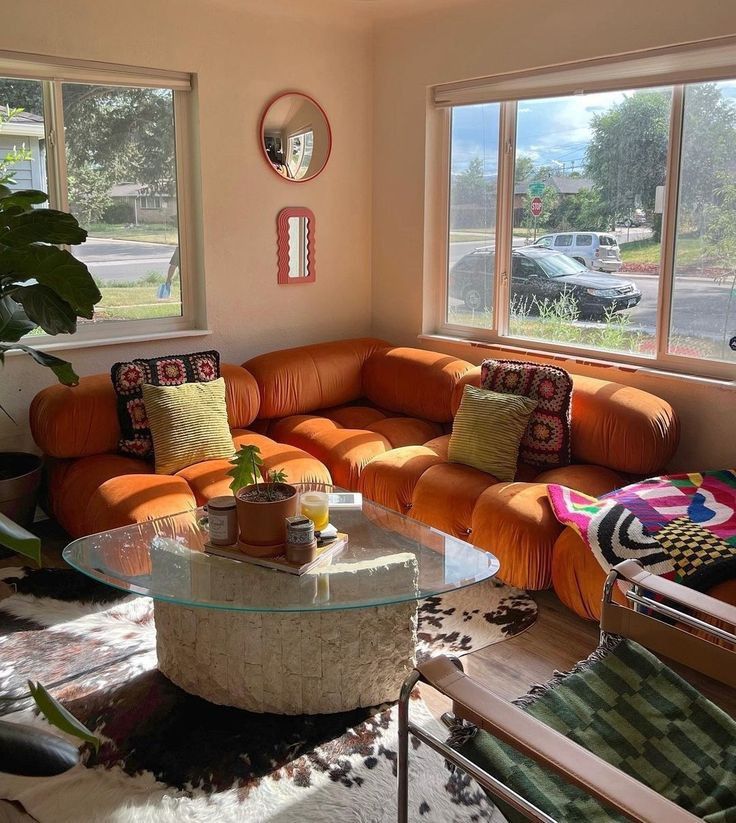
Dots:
{"x": 633, "y": 711}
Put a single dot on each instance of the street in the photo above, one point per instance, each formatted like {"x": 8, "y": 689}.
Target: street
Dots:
{"x": 124, "y": 260}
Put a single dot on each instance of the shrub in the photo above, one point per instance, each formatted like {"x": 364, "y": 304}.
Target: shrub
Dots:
{"x": 119, "y": 213}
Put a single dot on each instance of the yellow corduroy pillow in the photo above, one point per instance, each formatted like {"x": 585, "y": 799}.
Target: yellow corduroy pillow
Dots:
{"x": 188, "y": 424}
{"x": 487, "y": 431}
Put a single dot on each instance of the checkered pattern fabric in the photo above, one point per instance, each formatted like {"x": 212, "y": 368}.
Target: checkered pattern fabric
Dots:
{"x": 692, "y": 547}
{"x": 627, "y": 707}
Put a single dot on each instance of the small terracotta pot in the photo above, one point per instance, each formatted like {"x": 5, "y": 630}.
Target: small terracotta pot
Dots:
{"x": 262, "y": 525}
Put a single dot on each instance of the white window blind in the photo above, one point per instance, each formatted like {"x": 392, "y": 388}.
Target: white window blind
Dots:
{"x": 706, "y": 60}
{"x": 43, "y": 67}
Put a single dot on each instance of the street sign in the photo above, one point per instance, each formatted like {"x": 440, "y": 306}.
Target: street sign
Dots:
{"x": 536, "y": 189}
{"x": 536, "y": 206}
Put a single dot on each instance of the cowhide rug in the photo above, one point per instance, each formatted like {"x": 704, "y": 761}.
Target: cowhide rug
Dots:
{"x": 167, "y": 755}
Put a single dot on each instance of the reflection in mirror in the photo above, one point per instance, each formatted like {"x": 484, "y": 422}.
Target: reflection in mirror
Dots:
{"x": 298, "y": 251}
{"x": 295, "y": 233}
{"x": 296, "y": 137}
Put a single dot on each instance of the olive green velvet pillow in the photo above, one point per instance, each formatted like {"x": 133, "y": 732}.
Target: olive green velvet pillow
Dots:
{"x": 188, "y": 424}
{"x": 488, "y": 429}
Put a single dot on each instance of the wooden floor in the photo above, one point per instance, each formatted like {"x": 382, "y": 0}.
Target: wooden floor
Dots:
{"x": 557, "y": 641}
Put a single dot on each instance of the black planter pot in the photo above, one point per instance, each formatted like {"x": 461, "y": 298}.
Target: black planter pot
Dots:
{"x": 20, "y": 478}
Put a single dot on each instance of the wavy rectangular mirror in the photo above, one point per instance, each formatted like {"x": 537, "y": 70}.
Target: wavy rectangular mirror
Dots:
{"x": 295, "y": 244}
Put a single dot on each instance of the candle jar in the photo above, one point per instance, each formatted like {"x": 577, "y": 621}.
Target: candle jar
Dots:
{"x": 301, "y": 547}
{"x": 315, "y": 506}
{"x": 223, "y": 521}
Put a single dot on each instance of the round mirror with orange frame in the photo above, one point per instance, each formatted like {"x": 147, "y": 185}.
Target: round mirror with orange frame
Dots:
{"x": 295, "y": 136}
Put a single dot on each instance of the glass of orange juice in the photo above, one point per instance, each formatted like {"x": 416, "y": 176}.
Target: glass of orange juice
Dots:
{"x": 315, "y": 506}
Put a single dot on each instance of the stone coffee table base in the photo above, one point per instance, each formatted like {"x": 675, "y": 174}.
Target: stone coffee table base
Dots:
{"x": 288, "y": 662}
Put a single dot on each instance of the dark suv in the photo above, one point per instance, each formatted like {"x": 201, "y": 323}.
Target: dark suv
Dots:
{"x": 538, "y": 274}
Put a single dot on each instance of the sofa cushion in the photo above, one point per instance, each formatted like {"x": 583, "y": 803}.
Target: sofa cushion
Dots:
{"x": 306, "y": 378}
{"x": 128, "y": 378}
{"x": 445, "y": 496}
{"x": 210, "y": 478}
{"x": 299, "y": 465}
{"x": 593, "y": 480}
{"x": 188, "y": 424}
{"x": 105, "y": 491}
{"x": 354, "y": 417}
{"x": 345, "y": 452}
{"x": 405, "y": 431}
{"x": 488, "y": 429}
{"x": 390, "y": 478}
{"x": 515, "y": 522}
{"x": 414, "y": 382}
{"x": 76, "y": 421}
{"x": 546, "y": 441}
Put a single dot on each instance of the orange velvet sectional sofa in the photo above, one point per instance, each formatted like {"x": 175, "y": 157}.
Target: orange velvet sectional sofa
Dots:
{"x": 373, "y": 418}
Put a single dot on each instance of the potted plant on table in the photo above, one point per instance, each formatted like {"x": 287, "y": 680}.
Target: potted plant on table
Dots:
{"x": 262, "y": 507}
{"x": 41, "y": 287}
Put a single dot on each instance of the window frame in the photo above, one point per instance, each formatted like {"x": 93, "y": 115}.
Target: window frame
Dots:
{"x": 439, "y": 126}
{"x": 52, "y": 73}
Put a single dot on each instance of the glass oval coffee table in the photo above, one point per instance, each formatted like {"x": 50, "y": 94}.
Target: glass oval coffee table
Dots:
{"x": 339, "y": 637}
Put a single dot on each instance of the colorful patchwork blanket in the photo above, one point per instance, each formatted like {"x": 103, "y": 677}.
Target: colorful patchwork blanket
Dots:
{"x": 680, "y": 526}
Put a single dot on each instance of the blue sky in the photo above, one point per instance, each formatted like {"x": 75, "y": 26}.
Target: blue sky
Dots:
{"x": 552, "y": 132}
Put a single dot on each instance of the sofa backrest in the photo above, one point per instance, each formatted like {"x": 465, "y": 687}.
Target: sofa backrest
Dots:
{"x": 617, "y": 426}
{"x": 308, "y": 378}
{"x": 413, "y": 381}
{"x": 76, "y": 421}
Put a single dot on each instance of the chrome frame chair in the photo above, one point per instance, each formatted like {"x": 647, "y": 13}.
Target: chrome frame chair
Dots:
{"x": 651, "y": 621}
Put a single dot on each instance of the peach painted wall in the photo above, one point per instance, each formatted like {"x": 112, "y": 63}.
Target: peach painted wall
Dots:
{"x": 479, "y": 39}
{"x": 242, "y": 58}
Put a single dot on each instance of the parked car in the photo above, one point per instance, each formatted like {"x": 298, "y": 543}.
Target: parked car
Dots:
{"x": 596, "y": 251}
{"x": 539, "y": 274}
{"x": 637, "y": 218}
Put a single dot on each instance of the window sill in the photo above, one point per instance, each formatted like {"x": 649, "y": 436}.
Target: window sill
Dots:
{"x": 45, "y": 344}
{"x": 583, "y": 360}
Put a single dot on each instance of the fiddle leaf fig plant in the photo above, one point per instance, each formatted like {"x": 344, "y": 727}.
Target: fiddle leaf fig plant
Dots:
{"x": 41, "y": 285}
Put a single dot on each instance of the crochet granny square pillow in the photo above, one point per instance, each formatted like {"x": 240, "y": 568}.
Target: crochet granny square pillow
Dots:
{"x": 128, "y": 378}
{"x": 546, "y": 441}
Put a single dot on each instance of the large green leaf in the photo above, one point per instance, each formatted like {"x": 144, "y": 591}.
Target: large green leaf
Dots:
{"x": 44, "y": 306}
{"x": 23, "y": 199}
{"x": 41, "y": 226}
{"x": 14, "y": 322}
{"x": 18, "y": 539}
{"x": 61, "y": 368}
{"x": 58, "y": 716}
{"x": 58, "y": 270}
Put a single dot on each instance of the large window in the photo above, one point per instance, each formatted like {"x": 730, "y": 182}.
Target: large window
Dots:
{"x": 601, "y": 221}
{"x": 118, "y": 170}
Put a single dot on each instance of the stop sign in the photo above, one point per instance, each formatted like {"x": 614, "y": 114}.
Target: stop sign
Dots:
{"x": 536, "y": 206}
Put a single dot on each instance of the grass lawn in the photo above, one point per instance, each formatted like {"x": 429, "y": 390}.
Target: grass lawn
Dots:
{"x": 137, "y": 302}
{"x": 147, "y": 233}
{"x": 615, "y": 336}
{"x": 689, "y": 251}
